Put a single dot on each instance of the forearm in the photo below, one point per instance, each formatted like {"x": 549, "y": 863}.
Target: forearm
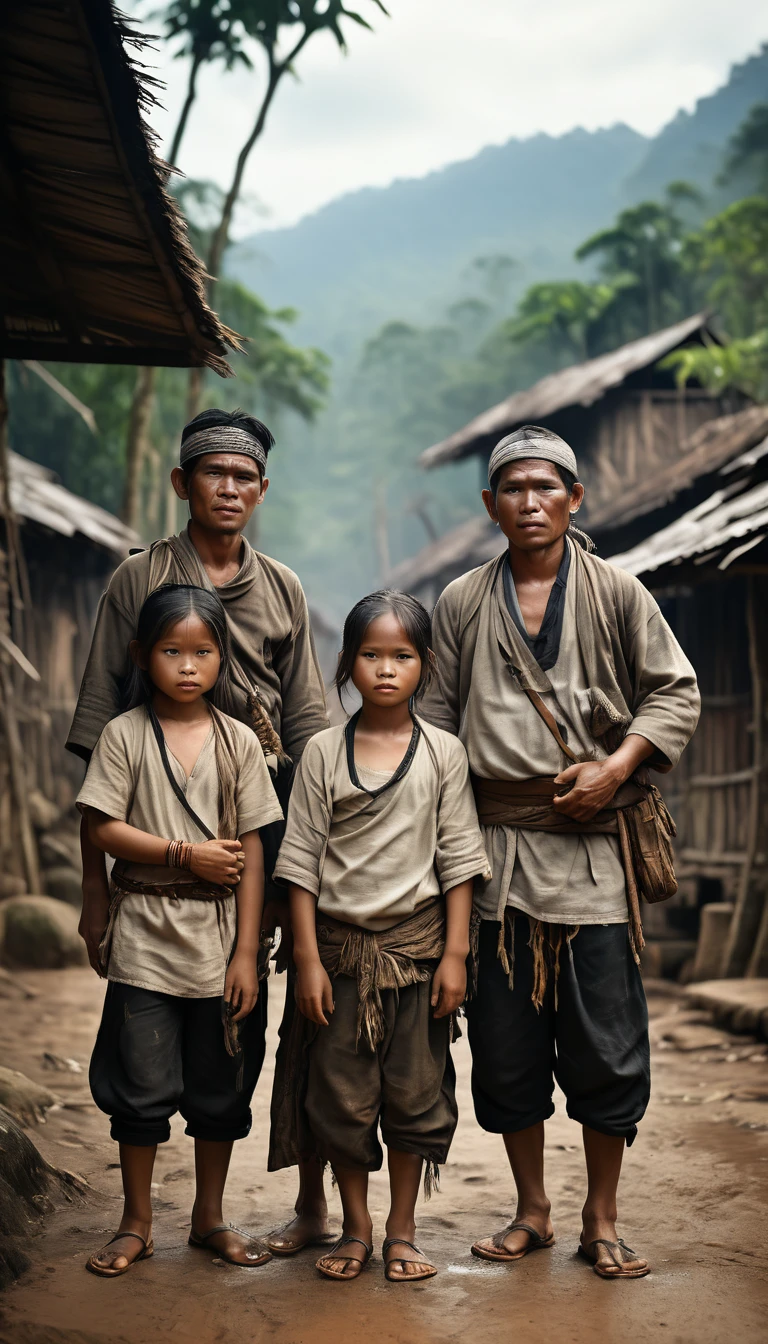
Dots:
{"x": 458, "y": 908}
{"x": 249, "y": 898}
{"x": 95, "y": 880}
{"x": 303, "y": 908}
{"x": 630, "y": 755}
{"x": 125, "y": 842}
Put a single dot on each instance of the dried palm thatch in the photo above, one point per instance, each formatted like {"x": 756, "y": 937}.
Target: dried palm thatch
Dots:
{"x": 95, "y": 261}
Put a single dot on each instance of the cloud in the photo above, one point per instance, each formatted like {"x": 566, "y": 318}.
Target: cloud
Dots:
{"x": 442, "y": 78}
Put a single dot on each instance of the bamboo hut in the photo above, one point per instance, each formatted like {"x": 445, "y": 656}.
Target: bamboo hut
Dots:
{"x": 705, "y": 557}
{"x": 624, "y": 417}
{"x": 95, "y": 266}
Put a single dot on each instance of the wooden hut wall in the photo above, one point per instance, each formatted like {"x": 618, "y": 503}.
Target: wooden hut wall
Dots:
{"x": 709, "y": 792}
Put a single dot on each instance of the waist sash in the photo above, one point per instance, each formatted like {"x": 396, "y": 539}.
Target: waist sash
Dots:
{"x": 529, "y": 805}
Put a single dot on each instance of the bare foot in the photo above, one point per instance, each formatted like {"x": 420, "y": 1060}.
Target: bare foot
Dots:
{"x": 232, "y": 1244}
{"x": 308, "y": 1228}
{"x": 514, "y": 1241}
{"x": 348, "y": 1258}
{"x": 405, "y": 1261}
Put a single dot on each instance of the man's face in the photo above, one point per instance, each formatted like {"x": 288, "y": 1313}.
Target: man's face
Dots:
{"x": 222, "y": 490}
{"x": 532, "y": 506}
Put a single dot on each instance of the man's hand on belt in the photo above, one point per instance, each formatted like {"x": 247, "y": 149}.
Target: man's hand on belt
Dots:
{"x": 595, "y": 782}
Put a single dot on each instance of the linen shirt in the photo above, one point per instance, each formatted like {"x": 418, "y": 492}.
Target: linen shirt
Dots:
{"x": 178, "y": 947}
{"x": 372, "y": 858}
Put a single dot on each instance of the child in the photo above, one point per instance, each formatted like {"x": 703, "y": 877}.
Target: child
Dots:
{"x": 170, "y": 772}
{"x": 381, "y": 822}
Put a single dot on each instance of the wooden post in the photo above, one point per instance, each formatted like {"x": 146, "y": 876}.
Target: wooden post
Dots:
{"x": 9, "y": 587}
{"x": 751, "y": 896}
{"x": 136, "y": 445}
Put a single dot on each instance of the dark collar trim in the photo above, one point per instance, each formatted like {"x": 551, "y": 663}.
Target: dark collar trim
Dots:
{"x": 402, "y": 769}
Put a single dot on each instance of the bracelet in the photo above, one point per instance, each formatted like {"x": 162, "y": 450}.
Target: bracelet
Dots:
{"x": 179, "y": 854}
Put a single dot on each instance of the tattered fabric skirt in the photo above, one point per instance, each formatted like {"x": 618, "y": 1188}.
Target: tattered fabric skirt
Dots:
{"x": 383, "y": 1060}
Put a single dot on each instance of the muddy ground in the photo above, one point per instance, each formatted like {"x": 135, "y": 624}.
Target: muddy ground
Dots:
{"x": 693, "y": 1201}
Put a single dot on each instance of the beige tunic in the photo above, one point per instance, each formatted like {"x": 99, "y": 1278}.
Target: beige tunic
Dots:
{"x": 573, "y": 879}
{"x": 178, "y": 947}
{"x": 271, "y": 636}
{"x": 373, "y": 861}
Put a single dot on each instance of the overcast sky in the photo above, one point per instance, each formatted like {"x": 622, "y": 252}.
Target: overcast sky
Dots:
{"x": 441, "y": 78}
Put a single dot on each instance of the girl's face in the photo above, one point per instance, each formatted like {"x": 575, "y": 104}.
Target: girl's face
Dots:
{"x": 387, "y": 668}
{"x": 185, "y": 663}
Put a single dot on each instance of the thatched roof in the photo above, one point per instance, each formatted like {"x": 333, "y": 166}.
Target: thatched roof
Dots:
{"x": 95, "y": 262}
{"x": 37, "y": 497}
{"x": 466, "y": 546}
{"x": 579, "y": 385}
{"x": 730, "y": 524}
{"x": 713, "y": 444}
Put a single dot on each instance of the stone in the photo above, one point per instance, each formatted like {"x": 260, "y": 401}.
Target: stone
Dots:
{"x": 41, "y": 932}
{"x": 26, "y": 1101}
{"x": 64, "y": 884}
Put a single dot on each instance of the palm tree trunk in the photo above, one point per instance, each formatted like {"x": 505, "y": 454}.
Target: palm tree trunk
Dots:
{"x": 178, "y": 135}
{"x": 136, "y": 446}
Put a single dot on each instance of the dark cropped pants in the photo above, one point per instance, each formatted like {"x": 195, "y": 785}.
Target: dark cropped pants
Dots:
{"x": 594, "y": 1043}
{"x": 156, "y": 1054}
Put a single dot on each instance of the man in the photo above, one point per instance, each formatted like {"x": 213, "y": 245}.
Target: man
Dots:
{"x": 545, "y": 648}
{"x": 277, "y": 685}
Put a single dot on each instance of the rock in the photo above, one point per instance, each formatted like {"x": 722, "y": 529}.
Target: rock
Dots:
{"x": 26, "y": 1101}
{"x": 42, "y": 932}
{"x": 11, "y": 885}
{"x": 64, "y": 884}
{"x": 43, "y": 813}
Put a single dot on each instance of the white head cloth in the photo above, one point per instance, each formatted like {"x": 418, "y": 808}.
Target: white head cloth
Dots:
{"x": 532, "y": 441}
{"x": 222, "y": 439}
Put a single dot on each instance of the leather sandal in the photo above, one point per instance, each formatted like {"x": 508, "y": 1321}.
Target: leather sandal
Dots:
{"x": 429, "y": 1270}
{"x": 493, "y": 1248}
{"x": 109, "y": 1271}
{"x": 620, "y": 1254}
{"x": 280, "y": 1244}
{"x": 259, "y": 1256}
{"x": 348, "y": 1259}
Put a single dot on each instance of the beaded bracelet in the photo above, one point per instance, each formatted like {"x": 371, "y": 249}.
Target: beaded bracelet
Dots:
{"x": 179, "y": 854}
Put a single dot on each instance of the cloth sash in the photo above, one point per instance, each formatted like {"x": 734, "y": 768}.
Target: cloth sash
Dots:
{"x": 529, "y": 804}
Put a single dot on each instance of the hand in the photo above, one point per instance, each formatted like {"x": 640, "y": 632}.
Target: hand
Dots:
{"x": 93, "y": 923}
{"x": 241, "y": 987}
{"x": 594, "y": 784}
{"x": 218, "y": 861}
{"x": 314, "y": 992}
{"x": 449, "y": 985}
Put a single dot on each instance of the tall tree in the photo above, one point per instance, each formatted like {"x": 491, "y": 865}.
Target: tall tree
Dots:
{"x": 271, "y": 23}
{"x": 747, "y": 153}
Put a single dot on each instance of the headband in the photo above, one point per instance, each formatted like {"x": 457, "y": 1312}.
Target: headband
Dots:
{"x": 532, "y": 441}
{"x": 222, "y": 439}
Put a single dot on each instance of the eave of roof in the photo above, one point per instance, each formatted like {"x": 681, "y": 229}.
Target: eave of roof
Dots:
{"x": 579, "y": 385}
{"x": 37, "y": 497}
{"x": 472, "y": 543}
{"x": 95, "y": 261}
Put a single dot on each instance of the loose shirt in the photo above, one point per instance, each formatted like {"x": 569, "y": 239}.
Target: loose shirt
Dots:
{"x": 271, "y": 640}
{"x": 372, "y": 858}
{"x": 595, "y": 689}
{"x": 178, "y": 947}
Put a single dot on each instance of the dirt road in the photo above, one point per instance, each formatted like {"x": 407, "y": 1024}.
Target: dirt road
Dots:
{"x": 693, "y": 1198}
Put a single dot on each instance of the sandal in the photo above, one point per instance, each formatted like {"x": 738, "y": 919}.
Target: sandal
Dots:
{"x": 288, "y": 1247}
{"x": 493, "y": 1248}
{"x": 429, "y": 1270}
{"x": 348, "y": 1259}
{"x": 109, "y": 1271}
{"x": 261, "y": 1256}
{"x": 625, "y": 1254}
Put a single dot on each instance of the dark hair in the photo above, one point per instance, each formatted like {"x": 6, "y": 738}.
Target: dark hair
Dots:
{"x": 237, "y": 419}
{"x": 164, "y": 608}
{"x": 566, "y": 476}
{"x": 414, "y": 619}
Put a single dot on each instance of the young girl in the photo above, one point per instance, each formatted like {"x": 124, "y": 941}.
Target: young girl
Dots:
{"x": 183, "y": 1022}
{"x": 381, "y": 848}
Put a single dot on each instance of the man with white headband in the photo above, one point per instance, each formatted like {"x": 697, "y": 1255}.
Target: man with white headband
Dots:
{"x": 564, "y": 682}
{"x": 275, "y": 678}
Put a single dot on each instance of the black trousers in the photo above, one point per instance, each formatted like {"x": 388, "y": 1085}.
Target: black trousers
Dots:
{"x": 156, "y": 1054}
{"x": 594, "y": 1043}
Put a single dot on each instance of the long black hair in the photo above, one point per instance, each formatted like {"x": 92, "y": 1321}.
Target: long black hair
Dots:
{"x": 164, "y": 608}
{"x": 412, "y": 616}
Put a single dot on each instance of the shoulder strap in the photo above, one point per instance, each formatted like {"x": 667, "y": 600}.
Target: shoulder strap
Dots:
{"x": 550, "y": 721}
{"x": 172, "y": 780}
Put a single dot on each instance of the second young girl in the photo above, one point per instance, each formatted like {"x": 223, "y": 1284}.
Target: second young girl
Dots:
{"x": 381, "y": 848}
{"x": 176, "y": 791}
